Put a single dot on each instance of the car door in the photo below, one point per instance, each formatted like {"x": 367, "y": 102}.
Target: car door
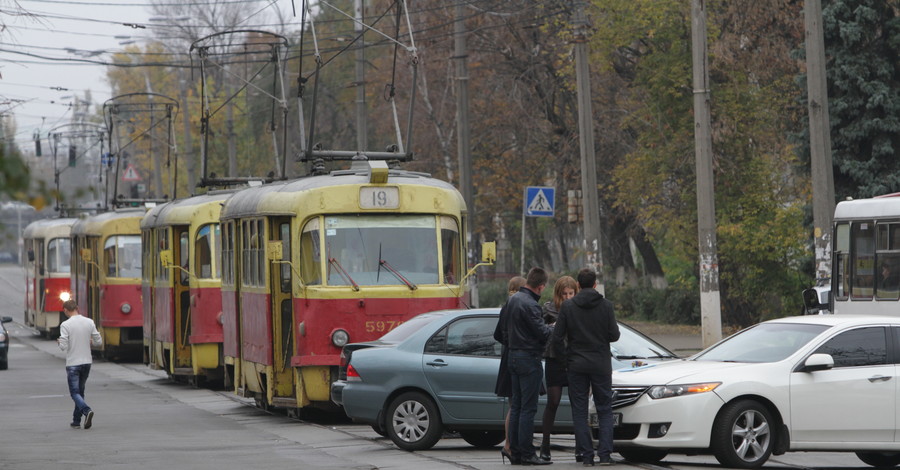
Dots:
{"x": 855, "y": 401}
{"x": 460, "y": 363}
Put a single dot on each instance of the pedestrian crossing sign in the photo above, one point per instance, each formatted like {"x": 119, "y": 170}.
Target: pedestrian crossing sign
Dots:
{"x": 539, "y": 201}
{"x": 131, "y": 174}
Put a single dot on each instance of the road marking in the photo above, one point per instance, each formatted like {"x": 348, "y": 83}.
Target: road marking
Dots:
{"x": 46, "y": 396}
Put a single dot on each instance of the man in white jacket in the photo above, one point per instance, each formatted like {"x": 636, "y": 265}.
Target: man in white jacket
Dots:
{"x": 76, "y": 336}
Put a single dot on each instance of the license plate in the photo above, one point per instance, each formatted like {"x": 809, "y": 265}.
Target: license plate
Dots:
{"x": 617, "y": 419}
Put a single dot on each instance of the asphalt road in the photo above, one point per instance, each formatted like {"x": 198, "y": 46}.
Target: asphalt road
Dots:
{"x": 144, "y": 419}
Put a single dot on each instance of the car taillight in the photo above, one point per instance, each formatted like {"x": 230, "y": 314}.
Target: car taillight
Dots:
{"x": 352, "y": 374}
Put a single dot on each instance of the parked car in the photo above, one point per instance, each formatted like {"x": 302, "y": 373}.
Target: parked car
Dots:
{"x": 823, "y": 383}
{"x": 436, "y": 373}
{"x": 4, "y": 343}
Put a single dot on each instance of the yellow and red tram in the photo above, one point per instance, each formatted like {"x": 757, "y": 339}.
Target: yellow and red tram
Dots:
{"x": 106, "y": 278}
{"x": 312, "y": 264}
{"x": 47, "y": 271}
{"x": 182, "y": 300}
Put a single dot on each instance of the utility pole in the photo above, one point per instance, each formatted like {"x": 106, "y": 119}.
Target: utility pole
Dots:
{"x": 460, "y": 54}
{"x": 821, "y": 171}
{"x": 710, "y": 301}
{"x": 361, "y": 126}
{"x": 591, "y": 203}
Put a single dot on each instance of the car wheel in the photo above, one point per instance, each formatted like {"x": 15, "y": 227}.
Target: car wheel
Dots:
{"x": 413, "y": 422}
{"x": 880, "y": 459}
{"x": 483, "y": 439}
{"x": 643, "y": 455}
{"x": 742, "y": 435}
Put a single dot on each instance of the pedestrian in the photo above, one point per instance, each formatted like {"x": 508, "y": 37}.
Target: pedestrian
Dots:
{"x": 503, "y": 388}
{"x": 527, "y": 336}
{"x": 587, "y": 325}
{"x": 76, "y": 336}
{"x": 554, "y": 364}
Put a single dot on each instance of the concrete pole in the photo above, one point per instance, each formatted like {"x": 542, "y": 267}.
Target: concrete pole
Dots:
{"x": 592, "y": 237}
{"x": 362, "y": 130}
{"x": 464, "y": 154}
{"x": 821, "y": 171}
{"x": 710, "y": 303}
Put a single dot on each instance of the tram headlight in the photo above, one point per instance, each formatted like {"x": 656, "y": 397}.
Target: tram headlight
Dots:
{"x": 65, "y": 296}
{"x": 340, "y": 337}
{"x": 126, "y": 308}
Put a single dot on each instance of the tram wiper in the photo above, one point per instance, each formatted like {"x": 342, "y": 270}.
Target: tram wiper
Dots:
{"x": 343, "y": 273}
{"x": 396, "y": 273}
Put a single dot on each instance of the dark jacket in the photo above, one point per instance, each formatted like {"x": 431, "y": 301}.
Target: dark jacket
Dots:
{"x": 550, "y": 316}
{"x": 526, "y": 330}
{"x": 588, "y": 324}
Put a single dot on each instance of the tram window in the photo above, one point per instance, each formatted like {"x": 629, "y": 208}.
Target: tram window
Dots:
{"x": 228, "y": 254}
{"x": 381, "y": 249}
{"x": 184, "y": 258}
{"x": 59, "y": 256}
{"x": 260, "y": 254}
{"x": 310, "y": 254}
{"x": 862, "y": 257}
{"x": 284, "y": 231}
{"x": 122, "y": 254}
{"x": 217, "y": 253}
{"x": 450, "y": 250}
{"x": 208, "y": 238}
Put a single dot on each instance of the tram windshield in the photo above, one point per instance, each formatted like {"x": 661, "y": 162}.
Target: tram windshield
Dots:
{"x": 59, "y": 255}
{"x": 122, "y": 254}
{"x": 386, "y": 249}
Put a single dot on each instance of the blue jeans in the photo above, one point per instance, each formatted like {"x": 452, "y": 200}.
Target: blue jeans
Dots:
{"x": 526, "y": 374}
{"x": 580, "y": 386}
{"x": 77, "y": 377}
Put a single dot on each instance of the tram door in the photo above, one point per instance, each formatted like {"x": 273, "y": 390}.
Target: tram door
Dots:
{"x": 282, "y": 317}
{"x": 92, "y": 280}
{"x": 182, "y": 299}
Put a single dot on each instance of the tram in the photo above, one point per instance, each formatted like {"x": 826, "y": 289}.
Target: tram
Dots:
{"x": 47, "y": 271}
{"x": 314, "y": 263}
{"x": 106, "y": 278}
{"x": 183, "y": 299}
{"x": 865, "y": 263}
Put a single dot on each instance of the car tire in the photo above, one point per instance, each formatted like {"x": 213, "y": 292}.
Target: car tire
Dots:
{"x": 643, "y": 455}
{"x": 483, "y": 439}
{"x": 412, "y": 422}
{"x": 743, "y": 435}
{"x": 880, "y": 459}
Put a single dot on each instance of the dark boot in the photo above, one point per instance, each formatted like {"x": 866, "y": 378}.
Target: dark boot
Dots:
{"x": 545, "y": 448}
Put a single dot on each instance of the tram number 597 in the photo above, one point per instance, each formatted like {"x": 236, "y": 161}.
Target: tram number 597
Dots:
{"x": 379, "y": 197}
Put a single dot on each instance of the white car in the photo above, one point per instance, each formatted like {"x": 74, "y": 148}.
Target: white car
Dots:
{"x": 808, "y": 383}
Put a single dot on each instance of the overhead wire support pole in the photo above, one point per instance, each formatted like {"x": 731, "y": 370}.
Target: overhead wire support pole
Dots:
{"x": 710, "y": 301}
{"x": 463, "y": 150}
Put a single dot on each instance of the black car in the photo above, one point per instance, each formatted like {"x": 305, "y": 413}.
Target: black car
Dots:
{"x": 4, "y": 343}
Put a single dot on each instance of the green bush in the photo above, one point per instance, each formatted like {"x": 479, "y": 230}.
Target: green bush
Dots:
{"x": 672, "y": 305}
{"x": 492, "y": 293}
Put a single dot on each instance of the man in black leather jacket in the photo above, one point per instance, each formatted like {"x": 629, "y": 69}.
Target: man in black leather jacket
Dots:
{"x": 527, "y": 334}
{"x": 588, "y": 323}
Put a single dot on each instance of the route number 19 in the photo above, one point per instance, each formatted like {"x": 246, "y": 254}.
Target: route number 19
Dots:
{"x": 379, "y": 197}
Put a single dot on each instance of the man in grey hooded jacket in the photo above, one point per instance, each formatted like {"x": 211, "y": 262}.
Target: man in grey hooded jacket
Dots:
{"x": 588, "y": 324}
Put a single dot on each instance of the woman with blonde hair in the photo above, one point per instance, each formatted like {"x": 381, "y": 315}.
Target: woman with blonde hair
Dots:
{"x": 554, "y": 363}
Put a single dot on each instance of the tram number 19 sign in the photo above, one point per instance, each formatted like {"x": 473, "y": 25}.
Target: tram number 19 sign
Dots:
{"x": 379, "y": 197}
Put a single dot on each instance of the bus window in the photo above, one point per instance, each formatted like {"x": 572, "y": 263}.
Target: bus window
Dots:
{"x": 841, "y": 260}
{"x": 450, "y": 250}
{"x": 862, "y": 256}
{"x": 310, "y": 254}
{"x": 888, "y": 255}
{"x": 381, "y": 249}
{"x": 59, "y": 256}
{"x": 122, "y": 254}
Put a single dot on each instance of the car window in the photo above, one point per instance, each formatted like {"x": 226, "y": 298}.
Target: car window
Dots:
{"x": 467, "y": 337}
{"x": 859, "y": 347}
{"x": 407, "y": 328}
{"x": 765, "y": 342}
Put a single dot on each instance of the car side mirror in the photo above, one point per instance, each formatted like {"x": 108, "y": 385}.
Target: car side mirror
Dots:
{"x": 818, "y": 362}
{"x": 811, "y": 304}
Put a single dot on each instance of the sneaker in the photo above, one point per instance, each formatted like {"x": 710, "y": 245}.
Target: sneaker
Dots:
{"x": 88, "y": 418}
{"x": 75, "y": 425}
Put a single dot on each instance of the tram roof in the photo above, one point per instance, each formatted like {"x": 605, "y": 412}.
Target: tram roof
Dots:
{"x": 117, "y": 219}
{"x": 58, "y": 226}
{"x": 184, "y": 211}
{"x": 270, "y": 199}
{"x": 874, "y": 208}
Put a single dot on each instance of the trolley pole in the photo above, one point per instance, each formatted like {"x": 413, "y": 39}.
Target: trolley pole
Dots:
{"x": 464, "y": 155}
{"x": 710, "y": 302}
{"x": 591, "y": 204}
{"x": 821, "y": 169}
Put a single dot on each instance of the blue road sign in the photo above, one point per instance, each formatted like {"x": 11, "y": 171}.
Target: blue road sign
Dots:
{"x": 539, "y": 201}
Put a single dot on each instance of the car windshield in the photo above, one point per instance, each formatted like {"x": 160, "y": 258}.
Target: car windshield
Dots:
{"x": 766, "y": 342}
{"x": 409, "y": 327}
{"x": 634, "y": 345}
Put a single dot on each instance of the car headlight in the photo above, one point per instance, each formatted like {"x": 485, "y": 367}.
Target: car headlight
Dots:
{"x": 668, "y": 391}
{"x": 65, "y": 296}
{"x": 126, "y": 307}
{"x": 339, "y": 338}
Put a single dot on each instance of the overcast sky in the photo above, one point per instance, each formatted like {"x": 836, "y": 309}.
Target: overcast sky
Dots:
{"x": 39, "y": 55}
